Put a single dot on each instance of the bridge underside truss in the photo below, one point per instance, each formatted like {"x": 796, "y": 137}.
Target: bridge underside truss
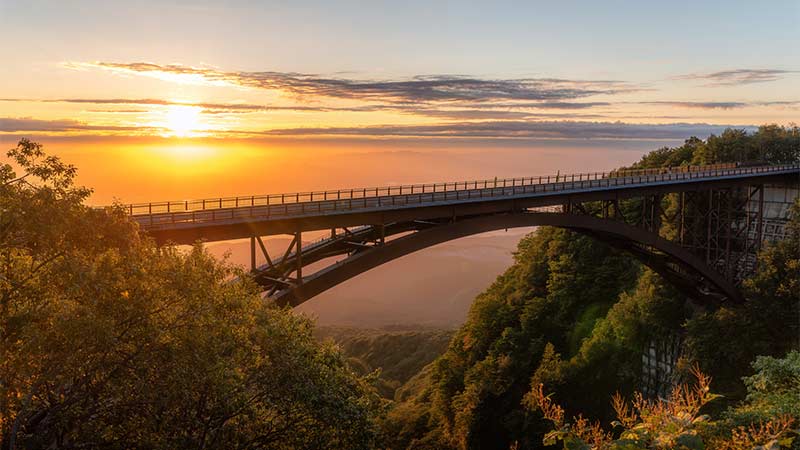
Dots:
{"x": 702, "y": 242}
{"x": 724, "y": 227}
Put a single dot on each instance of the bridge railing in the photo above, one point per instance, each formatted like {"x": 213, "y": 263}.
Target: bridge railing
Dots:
{"x": 346, "y": 199}
{"x": 423, "y": 188}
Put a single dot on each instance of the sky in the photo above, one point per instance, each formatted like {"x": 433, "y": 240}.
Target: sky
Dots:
{"x": 174, "y": 99}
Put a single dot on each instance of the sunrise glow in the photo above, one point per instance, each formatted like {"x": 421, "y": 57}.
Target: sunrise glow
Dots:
{"x": 365, "y": 105}
{"x": 182, "y": 121}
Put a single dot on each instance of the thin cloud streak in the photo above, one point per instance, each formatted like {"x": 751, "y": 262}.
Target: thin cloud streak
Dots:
{"x": 119, "y": 111}
{"x": 538, "y": 105}
{"x": 219, "y": 108}
{"x": 738, "y": 76}
{"x": 421, "y": 88}
{"x": 720, "y": 105}
{"x": 27, "y": 124}
{"x": 490, "y": 114}
{"x": 502, "y": 129}
{"x": 699, "y": 105}
{"x": 149, "y": 102}
{"x": 520, "y": 129}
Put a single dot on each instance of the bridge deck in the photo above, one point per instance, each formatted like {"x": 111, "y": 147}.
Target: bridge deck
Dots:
{"x": 168, "y": 217}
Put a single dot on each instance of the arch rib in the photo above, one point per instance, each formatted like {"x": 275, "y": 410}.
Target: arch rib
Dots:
{"x": 616, "y": 233}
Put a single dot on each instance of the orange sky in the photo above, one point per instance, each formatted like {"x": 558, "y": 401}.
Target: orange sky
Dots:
{"x": 173, "y": 169}
{"x": 173, "y": 99}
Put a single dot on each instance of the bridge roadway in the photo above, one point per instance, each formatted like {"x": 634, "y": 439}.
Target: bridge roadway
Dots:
{"x": 369, "y": 218}
{"x": 185, "y": 222}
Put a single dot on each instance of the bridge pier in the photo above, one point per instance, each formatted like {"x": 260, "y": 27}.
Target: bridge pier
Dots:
{"x": 298, "y": 238}
{"x": 740, "y": 221}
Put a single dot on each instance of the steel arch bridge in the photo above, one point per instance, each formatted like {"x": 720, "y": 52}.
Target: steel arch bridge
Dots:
{"x": 718, "y": 223}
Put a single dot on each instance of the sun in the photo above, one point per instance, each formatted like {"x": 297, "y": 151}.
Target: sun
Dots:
{"x": 182, "y": 121}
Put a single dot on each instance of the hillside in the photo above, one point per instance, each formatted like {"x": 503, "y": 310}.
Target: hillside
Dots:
{"x": 574, "y": 316}
{"x": 398, "y": 354}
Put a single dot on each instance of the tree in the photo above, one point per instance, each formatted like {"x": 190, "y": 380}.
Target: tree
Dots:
{"x": 772, "y": 391}
{"x": 107, "y": 340}
{"x": 558, "y": 278}
{"x": 573, "y": 315}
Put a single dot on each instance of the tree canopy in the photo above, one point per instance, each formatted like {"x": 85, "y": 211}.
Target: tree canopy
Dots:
{"x": 575, "y": 315}
{"x": 107, "y": 340}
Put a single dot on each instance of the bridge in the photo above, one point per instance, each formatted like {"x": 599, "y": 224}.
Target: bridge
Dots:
{"x": 708, "y": 248}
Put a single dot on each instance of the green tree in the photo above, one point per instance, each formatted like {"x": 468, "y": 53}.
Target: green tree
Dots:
{"x": 576, "y": 316}
{"x": 478, "y": 384}
{"x": 107, "y": 340}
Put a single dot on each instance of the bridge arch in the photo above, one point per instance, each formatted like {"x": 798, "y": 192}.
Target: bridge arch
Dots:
{"x": 679, "y": 266}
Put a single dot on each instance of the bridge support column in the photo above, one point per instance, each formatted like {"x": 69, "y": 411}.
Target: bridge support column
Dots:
{"x": 760, "y": 226}
{"x": 709, "y": 221}
{"x": 252, "y": 253}
{"x": 682, "y": 219}
{"x": 299, "y": 252}
{"x": 567, "y": 206}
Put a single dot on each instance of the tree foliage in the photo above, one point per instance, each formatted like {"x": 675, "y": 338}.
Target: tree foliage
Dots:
{"x": 397, "y": 355}
{"x": 479, "y": 382}
{"x": 107, "y": 340}
{"x": 576, "y": 315}
{"x": 673, "y": 423}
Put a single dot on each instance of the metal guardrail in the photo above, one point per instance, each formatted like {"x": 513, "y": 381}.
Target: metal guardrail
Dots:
{"x": 153, "y": 215}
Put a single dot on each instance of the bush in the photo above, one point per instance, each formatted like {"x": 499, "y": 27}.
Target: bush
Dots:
{"x": 668, "y": 424}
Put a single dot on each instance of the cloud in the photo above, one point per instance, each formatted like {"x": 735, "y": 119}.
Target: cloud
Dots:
{"x": 27, "y": 124}
{"x": 537, "y": 105}
{"x": 470, "y": 114}
{"x": 492, "y": 114}
{"x": 700, "y": 105}
{"x": 721, "y": 105}
{"x": 492, "y": 129}
{"x": 305, "y": 107}
{"x": 212, "y": 108}
{"x": 153, "y": 101}
{"x": 520, "y": 129}
{"x": 120, "y": 111}
{"x": 738, "y": 76}
{"x": 418, "y": 89}
{"x": 465, "y": 110}
{"x": 159, "y": 102}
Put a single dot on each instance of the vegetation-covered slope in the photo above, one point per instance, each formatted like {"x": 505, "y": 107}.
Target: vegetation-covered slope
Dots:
{"x": 575, "y": 315}
{"x": 397, "y": 355}
{"x": 766, "y": 420}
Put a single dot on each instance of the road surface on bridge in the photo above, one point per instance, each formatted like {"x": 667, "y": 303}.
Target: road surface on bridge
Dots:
{"x": 186, "y": 221}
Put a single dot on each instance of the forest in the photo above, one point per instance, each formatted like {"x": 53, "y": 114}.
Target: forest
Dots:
{"x": 110, "y": 341}
{"x": 572, "y": 316}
